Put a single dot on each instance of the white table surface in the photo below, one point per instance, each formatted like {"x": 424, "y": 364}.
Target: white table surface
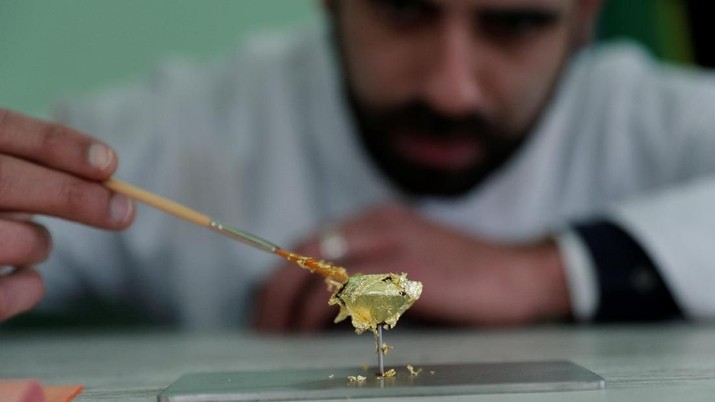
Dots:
{"x": 640, "y": 362}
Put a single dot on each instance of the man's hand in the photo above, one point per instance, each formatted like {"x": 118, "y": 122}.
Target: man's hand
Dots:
{"x": 467, "y": 281}
{"x": 53, "y": 170}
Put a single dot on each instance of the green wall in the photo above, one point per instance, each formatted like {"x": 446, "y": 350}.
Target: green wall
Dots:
{"x": 661, "y": 25}
{"x": 53, "y": 49}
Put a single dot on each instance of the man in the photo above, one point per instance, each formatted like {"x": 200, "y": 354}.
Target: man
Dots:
{"x": 470, "y": 143}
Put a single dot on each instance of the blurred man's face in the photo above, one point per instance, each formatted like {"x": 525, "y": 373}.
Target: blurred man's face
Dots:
{"x": 445, "y": 91}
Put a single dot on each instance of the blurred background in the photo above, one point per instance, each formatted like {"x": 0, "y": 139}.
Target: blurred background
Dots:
{"x": 55, "y": 49}
{"x": 52, "y": 50}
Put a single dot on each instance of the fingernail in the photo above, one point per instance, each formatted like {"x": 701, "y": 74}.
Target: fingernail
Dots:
{"x": 120, "y": 208}
{"x": 99, "y": 156}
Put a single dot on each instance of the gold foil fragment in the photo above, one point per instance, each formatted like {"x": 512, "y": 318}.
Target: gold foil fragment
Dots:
{"x": 331, "y": 376}
{"x": 358, "y": 378}
{"x": 335, "y": 276}
{"x": 372, "y": 300}
{"x": 414, "y": 372}
{"x": 388, "y": 374}
{"x": 386, "y": 348}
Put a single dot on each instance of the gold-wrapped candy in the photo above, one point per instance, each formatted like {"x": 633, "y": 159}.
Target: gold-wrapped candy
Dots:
{"x": 373, "y": 300}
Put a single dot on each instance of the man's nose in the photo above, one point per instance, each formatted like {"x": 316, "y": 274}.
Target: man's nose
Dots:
{"x": 451, "y": 85}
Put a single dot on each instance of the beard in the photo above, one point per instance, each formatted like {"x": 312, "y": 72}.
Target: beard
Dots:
{"x": 425, "y": 153}
{"x": 397, "y": 138}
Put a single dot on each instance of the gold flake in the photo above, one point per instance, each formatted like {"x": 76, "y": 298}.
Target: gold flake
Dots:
{"x": 414, "y": 372}
{"x": 388, "y": 374}
{"x": 335, "y": 276}
{"x": 357, "y": 379}
{"x": 372, "y": 300}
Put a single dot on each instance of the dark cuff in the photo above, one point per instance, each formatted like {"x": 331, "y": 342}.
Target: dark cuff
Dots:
{"x": 629, "y": 283}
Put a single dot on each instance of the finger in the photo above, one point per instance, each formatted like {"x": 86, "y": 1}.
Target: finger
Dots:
{"x": 282, "y": 299}
{"x": 292, "y": 300}
{"x": 30, "y": 188}
{"x": 55, "y": 146}
{"x": 20, "y": 292}
{"x": 278, "y": 296}
{"x": 314, "y": 312}
{"x": 23, "y": 243}
{"x": 372, "y": 233}
{"x": 16, "y": 216}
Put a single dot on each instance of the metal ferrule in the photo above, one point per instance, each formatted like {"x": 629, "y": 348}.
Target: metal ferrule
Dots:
{"x": 243, "y": 237}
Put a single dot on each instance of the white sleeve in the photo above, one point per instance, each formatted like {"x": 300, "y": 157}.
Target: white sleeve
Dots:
{"x": 152, "y": 126}
{"x": 675, "y": 223}
{"x": 200, "y": 137}
{"x": 676, "y": 227}
{"x": 580, "y": 275}
{"x": 661, "y": 134}
{"x": 187, "y": 135}
{"x": 87, "y": 263}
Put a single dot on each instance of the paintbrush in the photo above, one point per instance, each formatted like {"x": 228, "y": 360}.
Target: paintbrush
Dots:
{"x": 328, "y": 270}
{"x": 385, "y": 295}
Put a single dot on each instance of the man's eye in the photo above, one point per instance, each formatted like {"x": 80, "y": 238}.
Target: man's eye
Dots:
{"x": 513, "y": 25}
{"x": 405, "y": 13}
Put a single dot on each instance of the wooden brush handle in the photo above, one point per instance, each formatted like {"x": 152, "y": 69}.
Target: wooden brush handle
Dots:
{"x": 323, "y": 268}
{"x": 159, "y": 202}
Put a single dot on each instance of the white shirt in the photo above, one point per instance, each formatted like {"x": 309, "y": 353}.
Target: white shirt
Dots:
{"x": 264, "y": 141}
